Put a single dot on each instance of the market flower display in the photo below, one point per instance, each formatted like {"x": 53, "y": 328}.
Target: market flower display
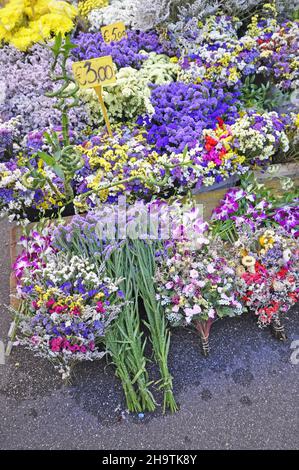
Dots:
{"x": 203, "y": 110}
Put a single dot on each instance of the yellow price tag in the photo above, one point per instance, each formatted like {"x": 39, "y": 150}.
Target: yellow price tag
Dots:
{"x": 94, "y": 72}
{"x": 114, "y": 32}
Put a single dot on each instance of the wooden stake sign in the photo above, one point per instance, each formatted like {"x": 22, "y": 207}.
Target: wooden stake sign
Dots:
{"x": 114, "y": 32}
{"x": 95, "y": 73}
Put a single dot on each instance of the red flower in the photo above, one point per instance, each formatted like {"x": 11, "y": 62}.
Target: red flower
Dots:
{"x": 210, "y": 143}
{"x": 293, "y": 296}
{"x": 260, "y": 268}
{"x": 76, "y": 311}
{"x": 282, "y": 273}
{"x": 220, "y": 121}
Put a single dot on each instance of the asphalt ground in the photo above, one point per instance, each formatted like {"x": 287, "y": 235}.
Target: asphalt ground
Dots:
{"x": 243, "y": 396}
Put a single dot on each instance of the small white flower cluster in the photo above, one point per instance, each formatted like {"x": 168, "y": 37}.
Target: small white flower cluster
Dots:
{"x": 260, "y": 142}
{"x": 130, "y": 96}
{"x": 139, "y": 14}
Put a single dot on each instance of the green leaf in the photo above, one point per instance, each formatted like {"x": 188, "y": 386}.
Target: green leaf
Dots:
{"x": 48, "y": 159}
{"x": 58, "y": 171}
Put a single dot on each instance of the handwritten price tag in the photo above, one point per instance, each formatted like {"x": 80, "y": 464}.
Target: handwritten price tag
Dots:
{"x": 94, "y": 72}
{"x": 113, "y": 32}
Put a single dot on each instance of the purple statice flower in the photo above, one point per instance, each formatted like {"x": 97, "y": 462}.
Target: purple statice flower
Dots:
{"x": 124, "y": 53}
{"x": 182, "y": 111}
{"x": 26, "y": 78}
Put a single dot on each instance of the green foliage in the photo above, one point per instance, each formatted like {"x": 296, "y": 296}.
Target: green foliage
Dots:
{"x": 64, "y": 161}
{"x": 262, "y": 97}
{"x": 66, "y": 93}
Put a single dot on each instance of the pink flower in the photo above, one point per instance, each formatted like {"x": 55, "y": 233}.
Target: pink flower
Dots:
{"x": 100, "y": 307}
{"x": 56, "y": 344}
{"x": 50, "y": 303}
{"x": 169, "y": 285}
{"x": 210, "y": 268}
{"x": 74, "y": 348}
{"x": 190, "y": 312}
{"x": 188, "y": 289}
{"x": 60, "y": 308}
{"x": 35, "y": 340}
{"x": 211, "y": 313}
{"x": 193, "y": 274}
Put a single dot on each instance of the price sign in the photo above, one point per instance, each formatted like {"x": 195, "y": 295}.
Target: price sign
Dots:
{"x": 114, "y": 32}
{"x": 94, "y": 72}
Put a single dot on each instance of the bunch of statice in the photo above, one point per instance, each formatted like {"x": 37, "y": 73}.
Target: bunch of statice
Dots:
{"x": 139, "y": 14}
{"x": 25, "y": 80}
{"x": 203, "y": 8}
{"x": 9, "y": 135}
{"x": 130, "y": 95}
{"x": 69, "y": 302}
{"x": 131, "y": 50}
{"x": 182, "y": 111}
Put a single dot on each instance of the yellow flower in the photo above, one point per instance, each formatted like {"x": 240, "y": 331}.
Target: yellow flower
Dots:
{"x": 99, "y": 295}
{"x": 24, "y": 22}
{"x": 85, "y": 6}
{"x": 266, "y": 241}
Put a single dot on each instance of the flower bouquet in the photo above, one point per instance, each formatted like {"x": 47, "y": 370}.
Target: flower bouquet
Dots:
{"x": 267, "y": 283}
{"x": 194, "y": 280}
{"x": 68, "y": 303}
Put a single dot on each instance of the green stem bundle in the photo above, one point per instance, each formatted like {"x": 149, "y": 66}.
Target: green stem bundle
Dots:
{"x": 125, "y": 341}
{"x": 160, "y": 335}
